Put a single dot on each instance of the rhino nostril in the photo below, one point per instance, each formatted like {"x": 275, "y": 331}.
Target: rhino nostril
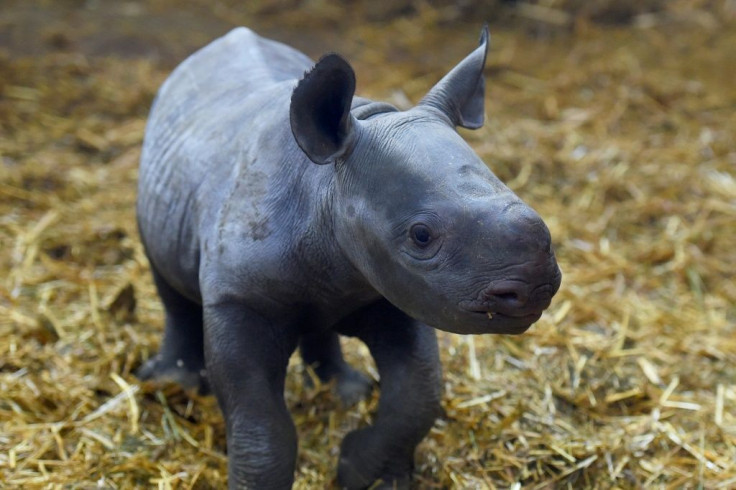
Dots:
{"x": 509, "y": 296}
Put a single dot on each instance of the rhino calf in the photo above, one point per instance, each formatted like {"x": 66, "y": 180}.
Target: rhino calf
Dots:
{"x": 279, "y": 210}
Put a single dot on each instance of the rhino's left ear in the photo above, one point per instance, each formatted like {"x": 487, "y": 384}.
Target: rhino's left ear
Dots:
{"x": 320, "y": 110}
{"x": 460, "y": 94}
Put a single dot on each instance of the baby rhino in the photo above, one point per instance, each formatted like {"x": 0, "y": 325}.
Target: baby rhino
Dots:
{"x": 279, "y": 210}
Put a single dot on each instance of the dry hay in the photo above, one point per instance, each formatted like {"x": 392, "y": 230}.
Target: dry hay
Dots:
{"x": 621, "y": 138}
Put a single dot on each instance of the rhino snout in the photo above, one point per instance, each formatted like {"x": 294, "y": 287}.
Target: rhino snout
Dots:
{"x": 525, "y": 230}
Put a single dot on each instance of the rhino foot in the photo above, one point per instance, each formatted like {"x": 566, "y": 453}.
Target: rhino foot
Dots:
{"x": 188, "y": 377}
{"x": 365, "y": 463}
{"x": 352, "y": 386}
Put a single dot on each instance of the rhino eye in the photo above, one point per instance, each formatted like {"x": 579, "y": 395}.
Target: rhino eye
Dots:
{"x": 421, "y": 235}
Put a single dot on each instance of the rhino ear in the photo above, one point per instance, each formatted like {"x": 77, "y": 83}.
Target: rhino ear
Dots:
{"x": 320, "y": 110}
{"x": 460, "y": 94}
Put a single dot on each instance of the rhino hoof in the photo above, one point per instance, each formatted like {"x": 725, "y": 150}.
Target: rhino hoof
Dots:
{"x": 353, "y": 386}
{"x": 156, "y": 369}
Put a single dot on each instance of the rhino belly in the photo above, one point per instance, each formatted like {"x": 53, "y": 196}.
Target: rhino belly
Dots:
{"x": 167, "y": 220}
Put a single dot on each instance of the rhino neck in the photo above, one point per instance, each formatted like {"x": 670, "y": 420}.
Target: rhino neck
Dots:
{"x": 332, "y": 278}
{"x": 334, "y": 283}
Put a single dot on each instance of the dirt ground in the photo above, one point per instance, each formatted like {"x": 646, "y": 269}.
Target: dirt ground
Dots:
{"x": 618, "y": 129}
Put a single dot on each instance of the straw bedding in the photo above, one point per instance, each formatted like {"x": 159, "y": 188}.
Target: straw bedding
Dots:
{"x": 622, "y": 137}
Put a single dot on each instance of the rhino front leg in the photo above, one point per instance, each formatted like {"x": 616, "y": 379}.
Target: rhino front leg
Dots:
{"x": 407, "y": 358}
{"x": 246, "y": 360}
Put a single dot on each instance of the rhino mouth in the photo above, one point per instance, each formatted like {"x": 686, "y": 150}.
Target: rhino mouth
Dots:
{"x": 489, "y": 321}
{"x": 496, "y": 316}
{"x": 491, "y": 312}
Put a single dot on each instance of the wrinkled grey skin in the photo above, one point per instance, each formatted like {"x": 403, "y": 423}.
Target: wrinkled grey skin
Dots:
{"x": 279, "y": 213}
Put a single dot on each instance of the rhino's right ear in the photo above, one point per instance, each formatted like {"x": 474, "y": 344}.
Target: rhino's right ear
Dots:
{"x": 320, "y": 110}
{"x": 460, "y": 94}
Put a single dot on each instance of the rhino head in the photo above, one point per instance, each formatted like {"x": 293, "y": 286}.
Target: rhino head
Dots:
{"x": 417, "y": 212}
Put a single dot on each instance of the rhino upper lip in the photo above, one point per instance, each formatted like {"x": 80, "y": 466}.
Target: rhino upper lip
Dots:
{"x": 541, "y": 298}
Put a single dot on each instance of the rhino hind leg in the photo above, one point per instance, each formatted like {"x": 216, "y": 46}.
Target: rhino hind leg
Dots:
{"x": 181, "y": 356}
{"x": 322, "y": 351}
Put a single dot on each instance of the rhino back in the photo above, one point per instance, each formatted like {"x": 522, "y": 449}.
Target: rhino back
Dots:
{"x": 209, "y": 123}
